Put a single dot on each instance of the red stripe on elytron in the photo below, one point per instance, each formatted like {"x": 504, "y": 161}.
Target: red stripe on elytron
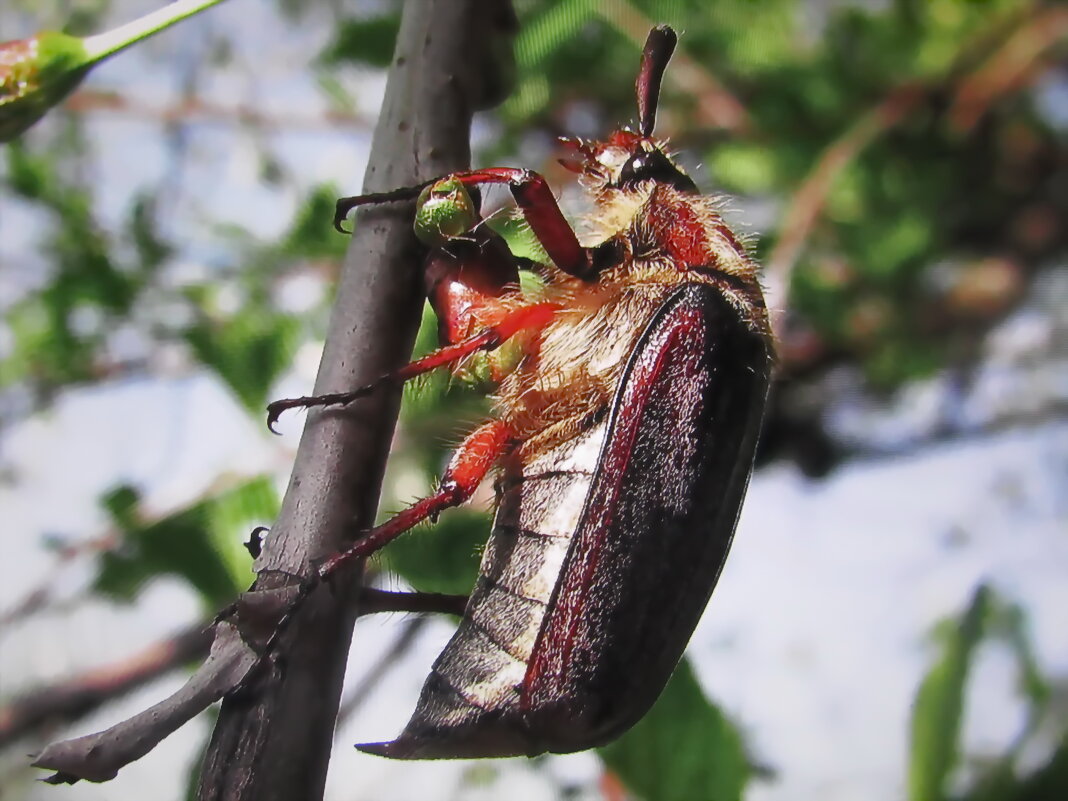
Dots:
{"x": 681, "y": 234}
{"x": 546, "y": 671}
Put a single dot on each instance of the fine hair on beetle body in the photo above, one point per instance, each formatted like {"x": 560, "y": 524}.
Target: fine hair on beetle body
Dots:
{"x": 630, "y": 391}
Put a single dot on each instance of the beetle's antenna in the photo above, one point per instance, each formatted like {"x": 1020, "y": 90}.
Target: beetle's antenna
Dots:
{"x": 347, "y": 204}
{"x": 658, "y": 49}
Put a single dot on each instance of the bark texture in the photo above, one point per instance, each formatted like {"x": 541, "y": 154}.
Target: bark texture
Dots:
{"x": 273, "y": 738}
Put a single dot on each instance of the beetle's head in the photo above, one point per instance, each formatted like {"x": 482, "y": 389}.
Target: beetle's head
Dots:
{"x": 627, "y": 158}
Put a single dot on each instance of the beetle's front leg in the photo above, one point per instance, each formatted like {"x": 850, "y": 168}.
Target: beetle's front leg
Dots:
{"x": 470, "y": 463}
{"x": 541, "y": 211}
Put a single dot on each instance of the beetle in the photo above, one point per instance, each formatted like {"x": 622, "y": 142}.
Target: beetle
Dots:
{"x": 623, "y": 438}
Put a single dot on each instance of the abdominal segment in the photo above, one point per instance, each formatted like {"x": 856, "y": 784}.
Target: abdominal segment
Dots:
{"x": 469, "y": 705}
{"x": 605, "y": 550}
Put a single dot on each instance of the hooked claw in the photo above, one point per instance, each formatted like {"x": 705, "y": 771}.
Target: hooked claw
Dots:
{"x": 274, "y": 411}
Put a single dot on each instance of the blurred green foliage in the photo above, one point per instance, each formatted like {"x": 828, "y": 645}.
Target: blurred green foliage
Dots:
{"x": 88, "y": 279}
{"x": 197, "y": 544}
{"x": 939, "y": 706}
{"x": 685, "y": 748}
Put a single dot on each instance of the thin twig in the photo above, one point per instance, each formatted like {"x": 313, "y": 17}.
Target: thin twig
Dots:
{"x": 87, "y": 101}
{"x": 69, "y": 700}
{"x": 806, "y": 205}
{"x": 1017, "y": 54}
{"x": 374, "y": 675}
{"x": 41, "y": 598}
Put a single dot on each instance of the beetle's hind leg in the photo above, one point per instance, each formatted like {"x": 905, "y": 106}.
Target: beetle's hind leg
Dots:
{"x": 470, "y": 463}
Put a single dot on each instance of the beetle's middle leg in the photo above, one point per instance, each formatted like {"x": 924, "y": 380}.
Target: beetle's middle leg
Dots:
{"x": 533, "y": 316}
{"x": 472, "y": 283}
{"x": 470, "y": 464}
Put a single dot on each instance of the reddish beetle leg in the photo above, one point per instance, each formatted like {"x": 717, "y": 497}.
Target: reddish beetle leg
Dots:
{"x": 542, "y": 213}
{"x": 510, "y": 322}
{"x": 472, "y": 283}
{"x": 471, "y": 462}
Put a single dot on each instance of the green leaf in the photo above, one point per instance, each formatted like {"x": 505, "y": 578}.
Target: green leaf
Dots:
{"x": 443, "y": 557}
{"x": 519, "y": 236}
{"x": 151, "y": 248}
{"x": 248, "y": 351}
{"x": 744, "y": 167}
{"x": 363, "y": 41}
{"x": 202, "y": 544}
{"x": 1009, "y": 623}
{"x": 312, "y": 234}
{"x": 937, "y": 711}
{"x": 683, "y": 750}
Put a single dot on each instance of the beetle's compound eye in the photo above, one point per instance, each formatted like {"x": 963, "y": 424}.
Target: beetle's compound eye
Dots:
{"x": 653, "y": 165}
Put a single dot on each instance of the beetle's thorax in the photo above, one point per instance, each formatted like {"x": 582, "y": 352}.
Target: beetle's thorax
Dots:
{"x": 659, "y": 226}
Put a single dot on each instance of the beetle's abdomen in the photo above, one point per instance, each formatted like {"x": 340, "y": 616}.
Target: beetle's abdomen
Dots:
{"x": 469, "y": 706}
{"x": 605, "y": 550}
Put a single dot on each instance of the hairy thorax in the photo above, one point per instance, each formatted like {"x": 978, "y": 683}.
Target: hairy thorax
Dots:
{"x": 665, "y": 238}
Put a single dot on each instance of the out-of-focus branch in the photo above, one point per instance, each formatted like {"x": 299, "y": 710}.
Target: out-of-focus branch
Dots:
{"x": 41, "y": 598}
{"x": 72, "y": 699}
{"x": 192, "y": 109}
{"x": 1002, "y": 72}
{"x": 1011, "y": 68}
{"x": 806, "y": 205}
{"x": 374, "y": 675}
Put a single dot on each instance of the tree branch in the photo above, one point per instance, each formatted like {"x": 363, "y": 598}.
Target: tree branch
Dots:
{"x": 273, "y": 740}
{"x": 74, "y": 698}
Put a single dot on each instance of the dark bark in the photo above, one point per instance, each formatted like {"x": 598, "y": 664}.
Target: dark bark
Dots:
{"x": 273, "y": 738}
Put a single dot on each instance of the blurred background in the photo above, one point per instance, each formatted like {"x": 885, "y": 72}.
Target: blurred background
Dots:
{"x": 893, "y": 622}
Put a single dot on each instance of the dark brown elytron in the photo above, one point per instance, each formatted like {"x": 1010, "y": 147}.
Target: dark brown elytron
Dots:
{"x": 623, "y": 439}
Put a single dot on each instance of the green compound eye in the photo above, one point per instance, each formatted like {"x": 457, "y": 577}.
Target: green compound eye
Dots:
{"x": 444, "y": 211}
